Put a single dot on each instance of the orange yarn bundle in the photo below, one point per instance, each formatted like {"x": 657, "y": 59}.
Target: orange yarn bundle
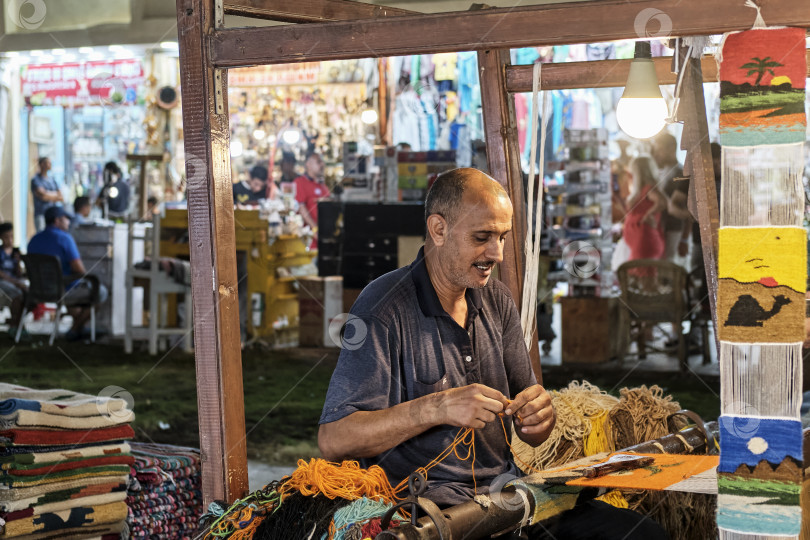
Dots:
{"x": 349, "y": 481}
{"x": 346, "y": 480}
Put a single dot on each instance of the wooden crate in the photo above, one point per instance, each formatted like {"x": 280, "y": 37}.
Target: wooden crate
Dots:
{"x": 589, "y": 330}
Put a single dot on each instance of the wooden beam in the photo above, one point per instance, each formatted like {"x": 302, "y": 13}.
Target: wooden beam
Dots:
{"x": 597, "y": 74}
{"x": 600, "y": 74}
{"x": 212, "y": 244}
{"x": 308, "y": 11}
{"x": 503, "y": 159}
{"x": 695, "y": 140}
{"x": 539, "y": 25}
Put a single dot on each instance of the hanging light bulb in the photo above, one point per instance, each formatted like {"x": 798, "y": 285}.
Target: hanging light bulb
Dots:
{"x": 369, "y": 116}
{"x": 291, "y": 136}
{"x": 642, "y": 110}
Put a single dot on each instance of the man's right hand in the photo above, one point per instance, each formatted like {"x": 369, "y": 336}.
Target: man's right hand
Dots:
{"x": 472, "y": 406}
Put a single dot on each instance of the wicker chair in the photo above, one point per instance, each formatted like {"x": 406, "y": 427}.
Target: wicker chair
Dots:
{"x": 654, "y": 292}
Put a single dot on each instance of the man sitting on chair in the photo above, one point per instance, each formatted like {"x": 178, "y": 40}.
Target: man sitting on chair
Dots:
{"x": 55, "y": 240}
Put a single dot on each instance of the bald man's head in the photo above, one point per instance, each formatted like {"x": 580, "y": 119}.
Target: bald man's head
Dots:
{"x": 446, "y": 195}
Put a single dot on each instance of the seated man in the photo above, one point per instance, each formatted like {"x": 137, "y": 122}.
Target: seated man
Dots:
{"x": 441, "y": 348}
{"x": 12, "y": 286}
{"x": 253, "y": 190}
{"x": 55, "y": 240}
{"x": 81, "y": 212}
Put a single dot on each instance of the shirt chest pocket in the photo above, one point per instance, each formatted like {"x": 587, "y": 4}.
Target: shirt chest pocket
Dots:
{"x": 420, "y": 389}
{"x": 429, "y": 376}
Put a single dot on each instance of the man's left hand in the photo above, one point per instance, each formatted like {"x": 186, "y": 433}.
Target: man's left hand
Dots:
{"x": 533, "y": 413}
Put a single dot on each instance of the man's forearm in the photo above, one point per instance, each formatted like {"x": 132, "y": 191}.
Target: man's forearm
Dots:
{"x": 307, "y": 216}
{"x": 370, "y": 433}
{"x": 49, "y": 196}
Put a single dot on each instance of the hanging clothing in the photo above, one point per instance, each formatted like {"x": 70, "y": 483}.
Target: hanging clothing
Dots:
{"x": 428, "y": 125}
{"x": 450, "y": 106}
{"x": 445, "y": 66}
{"x": 596, "y": 51}
{"x": 526, "y": 56}
{"x": 561, "y": 53}
{"x": 464, "y": 147}
{"x": 406, "y": 120}
{"x": 467, "y": 79}
{"x": 416, "y": 66}
{"x": 577, "y": 53}
{"x": 522, "y": 117}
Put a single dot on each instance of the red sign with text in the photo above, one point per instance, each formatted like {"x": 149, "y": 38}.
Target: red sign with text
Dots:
{"x": 81, "y": 83}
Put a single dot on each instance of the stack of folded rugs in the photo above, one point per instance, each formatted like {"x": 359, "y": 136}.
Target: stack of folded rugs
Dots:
{"x": 164, "y": 496}
{"x": 64, "y": 464}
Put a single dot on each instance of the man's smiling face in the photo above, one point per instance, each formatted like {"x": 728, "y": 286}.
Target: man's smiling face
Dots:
{"x": 476, "y": 238}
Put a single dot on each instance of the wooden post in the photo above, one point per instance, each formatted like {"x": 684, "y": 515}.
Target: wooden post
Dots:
{"x": 503, "y": 158}
{"x": 695, "y": 140}
{"x": 213, "y": 257}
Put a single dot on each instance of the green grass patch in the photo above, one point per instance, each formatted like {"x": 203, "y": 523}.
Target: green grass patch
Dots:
{"x": 284, "y": 391}
{"x": 760, "y": 101}
{"x": 777, "y": 492}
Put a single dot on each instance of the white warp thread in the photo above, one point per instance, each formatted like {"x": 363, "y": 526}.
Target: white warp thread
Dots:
{"x": 762, "y": 186}
{"x": 759, "y": 22}
{"x": 761, "y": 379}
{"x": 528, "y": 304}
{"x": 734, "y": 535}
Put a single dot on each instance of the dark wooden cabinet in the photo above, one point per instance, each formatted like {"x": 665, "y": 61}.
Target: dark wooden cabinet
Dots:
{"x": 359, "y": 241}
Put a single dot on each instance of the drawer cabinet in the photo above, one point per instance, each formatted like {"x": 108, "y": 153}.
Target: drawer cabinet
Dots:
{"x": 359, "y": 241}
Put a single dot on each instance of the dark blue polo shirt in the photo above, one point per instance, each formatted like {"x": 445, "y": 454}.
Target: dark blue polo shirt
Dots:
{"x": 412, "y": 347}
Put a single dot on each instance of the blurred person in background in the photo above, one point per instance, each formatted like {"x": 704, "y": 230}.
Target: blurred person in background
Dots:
{"x": 81, "y": 212}
{"x": 252, "y": 190}
{"x": 114, "y": 196}
{"x": 677, "y": 227}
{"x": 45, "y": 191}
{"x": 643, "y": 230}
{"x": 12, "y": 284}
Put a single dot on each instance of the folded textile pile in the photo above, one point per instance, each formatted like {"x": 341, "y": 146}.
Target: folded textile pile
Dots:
{"x": 64, "y": 464}
{"x": 164, "y": 495}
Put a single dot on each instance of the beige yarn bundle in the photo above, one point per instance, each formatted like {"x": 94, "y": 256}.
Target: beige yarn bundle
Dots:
{"x": 575, "y": 406}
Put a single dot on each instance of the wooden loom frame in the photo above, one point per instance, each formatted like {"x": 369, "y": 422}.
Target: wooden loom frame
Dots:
{"x": 340, "y": 29}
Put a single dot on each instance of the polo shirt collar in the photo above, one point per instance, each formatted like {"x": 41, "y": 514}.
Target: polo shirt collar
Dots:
{"x": 426, "y": 294}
